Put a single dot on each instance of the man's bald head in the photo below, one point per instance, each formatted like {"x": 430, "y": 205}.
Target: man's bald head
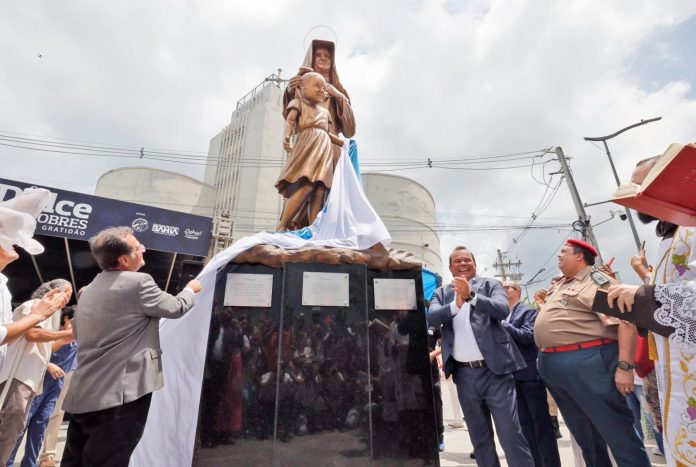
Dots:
{"x": 513, "y": 292}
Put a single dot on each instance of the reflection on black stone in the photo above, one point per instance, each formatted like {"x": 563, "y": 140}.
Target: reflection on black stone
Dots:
{"x": 328, "y": 373}
{"x": 404, "y": 425}
{"x": 238, "y": 400}
{"x": 350, "y": 391}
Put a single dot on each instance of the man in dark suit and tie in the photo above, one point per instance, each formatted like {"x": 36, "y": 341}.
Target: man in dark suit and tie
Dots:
{"x": 532, "y": 407}
{"x": 482, "y": 358}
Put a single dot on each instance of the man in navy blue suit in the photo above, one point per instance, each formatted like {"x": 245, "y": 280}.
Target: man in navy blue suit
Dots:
{"x": 482, "y": 358}
{"x": 532, "y": 407}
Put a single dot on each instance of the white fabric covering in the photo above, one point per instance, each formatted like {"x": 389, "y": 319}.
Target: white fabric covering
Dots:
{"x": 349, "y": 221}
{"x": 18, "y": 219}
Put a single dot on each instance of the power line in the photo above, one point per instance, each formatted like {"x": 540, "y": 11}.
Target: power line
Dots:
{"x": 540, "y": 208}
{"x": 543, "y": 170}
{"x": 121, "y": 151}
{"x": 7, "y": 132}
{"x": 553, "y": 254}
{"x": 238, "y": 165}
{"x": 202, "y": 155}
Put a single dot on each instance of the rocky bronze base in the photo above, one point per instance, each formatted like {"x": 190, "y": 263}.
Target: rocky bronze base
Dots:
{"x": 376, "y": 257}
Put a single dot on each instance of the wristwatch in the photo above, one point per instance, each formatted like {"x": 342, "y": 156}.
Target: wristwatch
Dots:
{"x": 471, "y": 296}
{"x": 625, "y": 366}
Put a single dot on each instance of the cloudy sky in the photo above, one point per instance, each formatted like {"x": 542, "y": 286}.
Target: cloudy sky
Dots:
{"x": 445, "y": 80}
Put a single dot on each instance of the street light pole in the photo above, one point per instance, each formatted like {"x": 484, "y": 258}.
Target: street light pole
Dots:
{"x": 526, "y": 285}
{"x": 604, "y": 139}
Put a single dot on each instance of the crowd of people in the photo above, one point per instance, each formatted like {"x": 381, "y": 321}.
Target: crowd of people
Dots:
{"x": 602, "y": 372}
{"x": 100, "y": 360}
{"x": 115, "y": 322}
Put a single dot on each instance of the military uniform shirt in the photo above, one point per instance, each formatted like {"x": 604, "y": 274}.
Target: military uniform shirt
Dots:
{"x": 567, "y": 316}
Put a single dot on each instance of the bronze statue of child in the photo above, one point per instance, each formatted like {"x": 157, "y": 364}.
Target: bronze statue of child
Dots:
{"x": 306, "y": 179}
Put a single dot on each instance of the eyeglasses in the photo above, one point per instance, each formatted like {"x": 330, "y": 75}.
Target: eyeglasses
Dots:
{"x": 139, "y": 248}
{"x": 510, "y": 287}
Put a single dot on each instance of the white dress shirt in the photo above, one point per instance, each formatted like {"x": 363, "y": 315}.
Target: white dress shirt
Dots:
{"x": 465, "y": 347}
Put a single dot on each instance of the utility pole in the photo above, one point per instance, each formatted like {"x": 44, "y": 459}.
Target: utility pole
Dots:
{"x": 504, "y": 275}
{"x": 501, "y": 265}
{"x": 584, "y": 227}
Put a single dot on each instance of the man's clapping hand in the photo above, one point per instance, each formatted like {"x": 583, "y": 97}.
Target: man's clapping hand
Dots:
{"x": 540, "y": 297}
{"x": 50, "y": 303}
{"x": 462, "y": 289}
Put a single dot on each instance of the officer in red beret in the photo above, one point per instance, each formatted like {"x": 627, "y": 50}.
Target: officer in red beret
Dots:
{"x": 586, "y": 361}
{"x": 584, "y": 245}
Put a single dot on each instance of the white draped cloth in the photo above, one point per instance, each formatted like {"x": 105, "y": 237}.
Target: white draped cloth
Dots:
{"x": 675, "y": 368}
{"x": 348, "y": 221}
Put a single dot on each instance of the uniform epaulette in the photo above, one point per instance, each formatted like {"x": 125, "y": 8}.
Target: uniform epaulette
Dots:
{"x": 599, "y": 278}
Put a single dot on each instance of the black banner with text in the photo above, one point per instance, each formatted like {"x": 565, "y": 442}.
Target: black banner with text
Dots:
{"x": 80, "y": 216}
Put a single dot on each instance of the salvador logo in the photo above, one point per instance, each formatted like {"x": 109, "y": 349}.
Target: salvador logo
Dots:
{"x": 140, "y": 224}
{"x": 162, "y": 229}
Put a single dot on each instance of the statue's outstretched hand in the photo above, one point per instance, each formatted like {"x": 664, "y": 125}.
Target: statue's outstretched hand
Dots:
{"x": 288, "y": 147}
{"x": 333, "y": 92}
{"x": 294, "y": 83}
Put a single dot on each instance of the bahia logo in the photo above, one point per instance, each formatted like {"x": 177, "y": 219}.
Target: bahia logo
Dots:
{"x": 165, "y": 230}
{"x": 192, "y": 234}
{"x": 140, "y": 224}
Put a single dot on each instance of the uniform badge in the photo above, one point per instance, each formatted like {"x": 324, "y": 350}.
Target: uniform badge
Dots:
{"x": 599, "y": 278}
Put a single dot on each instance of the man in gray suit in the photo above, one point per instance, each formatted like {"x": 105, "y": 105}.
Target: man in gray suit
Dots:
{"x": 116, "y": 327}
{"x": 480, "y": 355}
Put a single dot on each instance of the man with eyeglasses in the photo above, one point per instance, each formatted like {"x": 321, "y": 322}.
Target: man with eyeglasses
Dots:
{"x": 116, "y": 328}
{"x": 532, "y": 408}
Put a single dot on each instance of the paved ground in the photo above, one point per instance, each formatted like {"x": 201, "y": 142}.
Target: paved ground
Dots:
{"x": 59, "y": 446}
{"x": 458, "y": 445}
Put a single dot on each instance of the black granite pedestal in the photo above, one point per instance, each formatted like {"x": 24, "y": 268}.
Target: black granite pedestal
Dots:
{"x": 295, "y": 385}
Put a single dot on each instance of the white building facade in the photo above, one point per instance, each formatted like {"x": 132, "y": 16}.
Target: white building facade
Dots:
{"x": 245, "y": 159}
{"x": 159, "y": 188}
{"x": 408, "y": 210}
